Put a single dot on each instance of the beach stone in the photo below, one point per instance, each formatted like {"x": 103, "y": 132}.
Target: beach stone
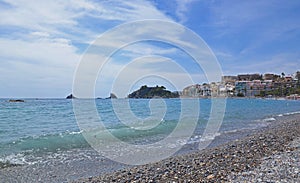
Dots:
{"x": 210, "y": 177}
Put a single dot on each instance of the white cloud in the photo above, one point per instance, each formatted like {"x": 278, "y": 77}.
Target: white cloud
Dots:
{"x": 47, "y": 52}
{"x": 223, "y": 55}
{"x": 57, "y": 16}
{"x": 131, "y": 10}
{"x": 37, "y": 15}
{"x": 39, "y": 54}
{"x": 182, "y": 9}
{"x": 37, "y": 68}
{"x": 161, "y": 31}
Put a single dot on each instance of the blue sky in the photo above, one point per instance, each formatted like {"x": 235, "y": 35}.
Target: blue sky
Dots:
{"x": 42, "y": 42}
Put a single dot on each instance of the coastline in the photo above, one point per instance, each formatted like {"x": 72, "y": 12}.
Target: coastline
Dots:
{"x": 85, "y": 165}
{"x": 269, "y": 154}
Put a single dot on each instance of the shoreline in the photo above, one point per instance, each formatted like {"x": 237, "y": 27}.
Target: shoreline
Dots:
{"x": 256, "y": 157}
{"x": 87, "y": 166}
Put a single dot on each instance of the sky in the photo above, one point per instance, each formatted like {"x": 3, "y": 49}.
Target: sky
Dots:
{"x": 42, "y": 43}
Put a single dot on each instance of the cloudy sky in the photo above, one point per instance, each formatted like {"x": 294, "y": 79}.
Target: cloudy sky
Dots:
{"x": 43, "y": 42}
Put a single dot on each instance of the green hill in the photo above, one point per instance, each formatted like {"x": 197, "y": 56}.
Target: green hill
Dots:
{"x": 152, "y": 92}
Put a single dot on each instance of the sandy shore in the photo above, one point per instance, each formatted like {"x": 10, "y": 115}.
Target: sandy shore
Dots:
{"x": 269, "y": 155}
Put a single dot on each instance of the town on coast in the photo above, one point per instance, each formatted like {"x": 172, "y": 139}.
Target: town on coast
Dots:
{"x": 266, "y": 85}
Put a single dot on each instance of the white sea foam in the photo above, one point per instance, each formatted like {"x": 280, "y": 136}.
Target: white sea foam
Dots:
{"x": 291, "y": 113}
{"x": 269, "y": 119}
{"x": 209, "y": 137}
{"x": 74, "y": 133}
{"x": 18, "y": 159}
{"x": 234, "y": 131}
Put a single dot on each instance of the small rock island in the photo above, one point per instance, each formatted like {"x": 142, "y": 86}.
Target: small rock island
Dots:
{"x": 71, "y": 96}
{"x": 153, "y": 92}
{"x": 112, "y": 96}
{"x": 17, "y": 100}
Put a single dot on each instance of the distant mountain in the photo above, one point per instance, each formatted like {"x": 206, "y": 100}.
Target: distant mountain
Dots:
{"x": 152, "y": 92}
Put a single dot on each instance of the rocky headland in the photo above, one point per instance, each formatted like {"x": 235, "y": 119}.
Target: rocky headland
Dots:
{"x": 153, "y": 92}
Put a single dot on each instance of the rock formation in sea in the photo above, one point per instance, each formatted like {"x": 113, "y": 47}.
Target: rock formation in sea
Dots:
{"x": 71, "y": 96}
{"x": 113, "y": 96}
{"x": 18, "y": 100}
{"x": 153, "y": 92}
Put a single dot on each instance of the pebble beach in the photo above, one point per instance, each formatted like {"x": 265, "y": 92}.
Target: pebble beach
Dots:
{"x": 270, "y": 154}
{"x": 266, "y": 154}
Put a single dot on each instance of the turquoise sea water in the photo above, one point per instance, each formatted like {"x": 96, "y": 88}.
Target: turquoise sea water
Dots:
{"x": 38, "y": 127}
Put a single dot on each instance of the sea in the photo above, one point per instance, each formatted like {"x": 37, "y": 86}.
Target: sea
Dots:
{"x": 45, "y": 133}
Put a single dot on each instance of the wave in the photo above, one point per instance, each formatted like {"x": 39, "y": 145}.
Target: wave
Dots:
{"x": 269, "y": 119}
{"x": 288, "y": 114}
{"x": 291, "y": 113}
{"x": 209, "y": 137}
{"x": 31, "y": 150}
{"x": 46, "y": 142}
{"x": 14, "y": 159}
{"x": 76, "y": 139}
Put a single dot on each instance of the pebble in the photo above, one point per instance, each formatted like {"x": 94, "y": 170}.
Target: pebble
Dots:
{"x": 269, "y": 155}
{"x": 210, "y": 177}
